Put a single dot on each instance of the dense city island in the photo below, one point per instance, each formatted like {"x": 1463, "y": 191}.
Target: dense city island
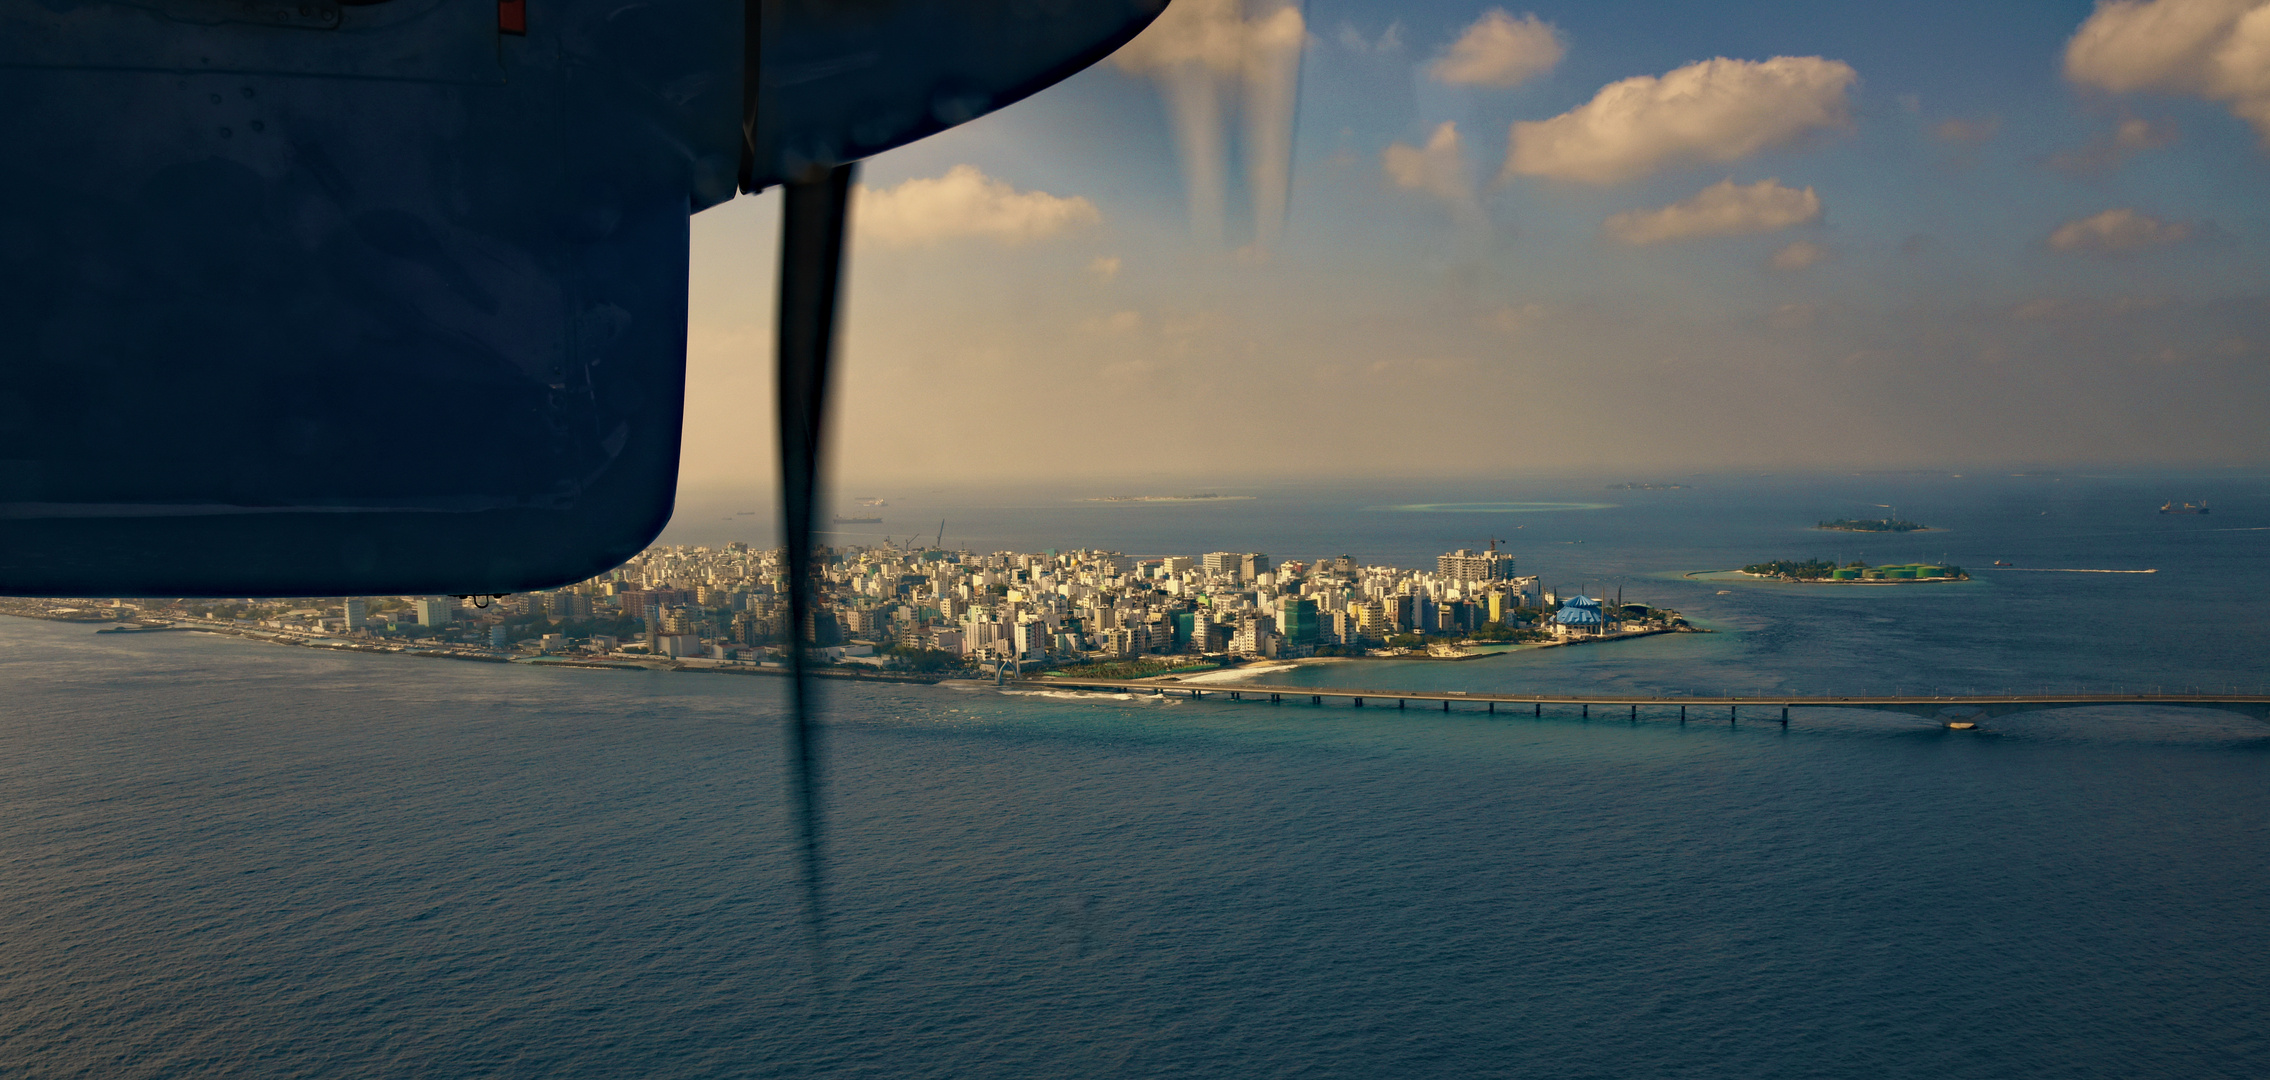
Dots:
{"x": 936, "y": 613}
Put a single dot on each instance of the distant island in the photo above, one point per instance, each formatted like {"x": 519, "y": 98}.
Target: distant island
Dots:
{"x": 1647, "y": 487}
{"x": 1166, "y": 498}
{"x": 1856, "y": 572}
{"x": 1878, "y": 525}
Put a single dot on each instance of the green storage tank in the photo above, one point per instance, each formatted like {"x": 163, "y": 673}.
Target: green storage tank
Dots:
{"x": 1930, "y": 571}
{"x": 1844, "y": 575}
{"x": 1900, "y": 573}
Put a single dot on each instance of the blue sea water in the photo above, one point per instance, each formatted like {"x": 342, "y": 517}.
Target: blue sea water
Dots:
{"x": 224, "y": 858}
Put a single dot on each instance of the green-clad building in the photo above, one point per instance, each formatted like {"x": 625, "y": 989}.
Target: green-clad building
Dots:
{"x": 1297, "y": 621}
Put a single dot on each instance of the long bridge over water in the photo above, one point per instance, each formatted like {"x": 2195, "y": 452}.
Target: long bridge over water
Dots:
{"x": 1957, "y": 709}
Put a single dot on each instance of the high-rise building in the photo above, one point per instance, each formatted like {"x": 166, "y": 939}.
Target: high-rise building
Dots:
{"x": 358, "y": 612}
{"x": 1032, "y": 638}
{"x": 1464, "y": 565}
{"x": 1531, "y": 591}
{"x": 979, "y": 634}
{"x": 436, "y": 610}
{"x": 1399, "y": 613}
{"x": 1254, "y": 635}
{"x": 567, "y": 603}
{"x": 1502, "y": 605}
{"x": 1252, "y": 566}
{"x": 1222, "y": 562}
{"x": 1297, "y": 620}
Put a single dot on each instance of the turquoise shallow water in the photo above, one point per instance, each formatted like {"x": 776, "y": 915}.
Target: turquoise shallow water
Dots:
{"x": 221, "y": 858}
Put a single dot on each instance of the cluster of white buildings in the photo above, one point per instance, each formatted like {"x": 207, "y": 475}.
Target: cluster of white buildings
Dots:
{"x": 1062, "y": 606}
{"x": 980, "y": 610}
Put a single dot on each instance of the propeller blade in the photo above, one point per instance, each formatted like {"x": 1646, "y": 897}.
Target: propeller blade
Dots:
{"x": 811, "y": 271}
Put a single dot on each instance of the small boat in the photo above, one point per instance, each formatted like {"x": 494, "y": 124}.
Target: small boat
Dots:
{"x": 1960, "y": 725}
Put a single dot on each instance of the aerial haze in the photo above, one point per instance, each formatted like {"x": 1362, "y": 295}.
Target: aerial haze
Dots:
{"x": 1613, "y": 235}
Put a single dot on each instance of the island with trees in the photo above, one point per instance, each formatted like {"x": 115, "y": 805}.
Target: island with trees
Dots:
{"x": 1853, "y": 573}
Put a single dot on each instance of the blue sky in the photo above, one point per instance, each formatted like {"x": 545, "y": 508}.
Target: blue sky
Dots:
{"x": 1925, "y": 236}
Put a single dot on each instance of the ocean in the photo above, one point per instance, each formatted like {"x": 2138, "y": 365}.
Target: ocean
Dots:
{"x": 225, "y": 858}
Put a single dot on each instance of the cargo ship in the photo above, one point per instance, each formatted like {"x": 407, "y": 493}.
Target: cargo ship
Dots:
{"x": 2184, "y": 508}
{"x": 841, "y": 520}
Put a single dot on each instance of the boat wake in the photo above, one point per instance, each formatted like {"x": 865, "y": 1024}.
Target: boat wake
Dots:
{"x": 2056, "y": 570}
{"x": 1086, "y": 695}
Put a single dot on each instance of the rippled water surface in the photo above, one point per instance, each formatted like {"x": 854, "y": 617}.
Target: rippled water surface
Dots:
{"x": 219, "y": 857}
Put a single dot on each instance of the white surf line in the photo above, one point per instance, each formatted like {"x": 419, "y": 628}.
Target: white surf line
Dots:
{"x": 1235, "y": 674}
{"x": 2054, "y": 570}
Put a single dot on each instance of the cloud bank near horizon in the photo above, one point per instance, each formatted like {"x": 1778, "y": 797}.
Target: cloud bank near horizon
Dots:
{"x": 965, "y": 203}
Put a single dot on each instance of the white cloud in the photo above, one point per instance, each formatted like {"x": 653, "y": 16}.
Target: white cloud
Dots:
{"x": 964, "y": 203}
{"x": 1438, "y": 170}
{"x": 2117, "y": 232}
{"x": 1105, "y": 268}
{"x": 1721, "y": 209}
{"x": 1713, "y": 111}
{"x": 2214, "y": 49}
{"x": 1798, "y": 256}
{"x": 1500, "y": 50}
